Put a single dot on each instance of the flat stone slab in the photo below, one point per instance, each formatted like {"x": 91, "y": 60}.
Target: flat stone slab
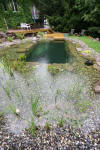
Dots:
{"x": 96, "y": 67}
{"x": 97, "y": 87}
{"x": 98, "y": 61}
{"x": 15, "y": 42}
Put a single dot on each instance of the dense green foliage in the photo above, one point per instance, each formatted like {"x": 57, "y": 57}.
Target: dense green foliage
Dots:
{"x": 64, "y": 15}
{"x": 14, "y": 18}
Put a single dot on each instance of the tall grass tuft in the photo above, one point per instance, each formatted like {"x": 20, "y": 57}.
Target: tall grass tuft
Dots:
{"x": 36, "y": 110}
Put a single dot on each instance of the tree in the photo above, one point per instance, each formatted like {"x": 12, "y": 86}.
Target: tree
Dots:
{"x": 66, "y": 14}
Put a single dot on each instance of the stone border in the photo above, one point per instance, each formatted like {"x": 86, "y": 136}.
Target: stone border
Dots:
{"x": 86, "y": 52}
{"x": 15, "y": 42}
{"x": 82, "y": 48}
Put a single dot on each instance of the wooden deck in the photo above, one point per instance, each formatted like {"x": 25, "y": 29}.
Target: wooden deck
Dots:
{"x": 55, "y": 36}
{"x": 22, "y": 31}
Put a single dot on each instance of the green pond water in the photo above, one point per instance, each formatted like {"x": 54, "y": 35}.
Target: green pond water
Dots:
{"x": 50, "y": 52}
{"x": 68, "y": 94}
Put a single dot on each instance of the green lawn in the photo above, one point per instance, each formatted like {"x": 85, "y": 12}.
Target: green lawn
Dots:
{"x": 89, "y": 41}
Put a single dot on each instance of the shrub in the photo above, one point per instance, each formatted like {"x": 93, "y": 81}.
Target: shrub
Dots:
{"x": 10, "y": 39}
{"x": 20, "y": 36}
{"x": 3, "y": 29}
{"x": 94, "y": 31}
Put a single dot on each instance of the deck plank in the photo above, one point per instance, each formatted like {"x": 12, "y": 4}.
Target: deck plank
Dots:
{"x": 21, "y": 31}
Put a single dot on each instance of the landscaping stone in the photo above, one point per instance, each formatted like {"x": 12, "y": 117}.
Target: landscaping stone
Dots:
{"x": 97, "y": 87}
{"x": 79, "y": 49}
{"x": 3, "y": 35}
{"x": 34, "y": 38}
{"x": 15, "y": 42}
{"x": 96, "y": 66}
{"x": 98, "y": 61}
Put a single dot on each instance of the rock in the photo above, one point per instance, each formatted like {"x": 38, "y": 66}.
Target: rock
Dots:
{"x": 38, "y": 36}
{"x": 96, "y": 66}
{"x": 17, "y": 111}
{"x": 79, "y": 49}
{"x": 98, "y": 61}
{"x": 89, "y": 63}
{"x": 97, "y": 87}
{"x": 3, "y": 35}
{"x": 85, "y": 54}
{"x": 34, "y": 38}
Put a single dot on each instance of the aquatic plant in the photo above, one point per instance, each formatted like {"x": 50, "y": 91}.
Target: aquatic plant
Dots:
{"x": 33, "y": 127}
{"x": 22, "y": 58}
{"x": 53, "y": 69}
{"x": 13, "y": 109}
{"x": 47, "y": 126}
{"x": 7, "y": 90}
{"x": 17, "y": 93}
{"x": 10, "y": 39}
{"x": 20, "y": 36}
{"x": 82, "y": 105}
{"x": 6, "y": 64}
{"x": 20, "y": 64}
{"x": 58, "y": 92}
{"x": 75, "y": 92}
{"x": 41, "y": 34}
{"x": 45, "y": 113}
{"x": 74, "y": 122}
{"x": 36, "y": 110}
{"x": 61, "y": 122}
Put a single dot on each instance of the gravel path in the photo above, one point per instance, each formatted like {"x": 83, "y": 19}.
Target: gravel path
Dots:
{"x": 57, "y": 138}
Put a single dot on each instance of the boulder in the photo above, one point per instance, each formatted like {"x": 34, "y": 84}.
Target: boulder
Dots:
{"x": 98, "y": 61}
{"x": 97, "y": 87}
{"x": 96, "y": 66}
{"x": 79, "y": 49}
{"x": 2, "y": 34}
{"x": 34, "y": 39}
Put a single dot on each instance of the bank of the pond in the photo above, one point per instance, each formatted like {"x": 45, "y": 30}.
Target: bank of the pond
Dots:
{"x": 53, "y": 138}
{"x": 86, "y": 52}
{"x": 91, "y": 42}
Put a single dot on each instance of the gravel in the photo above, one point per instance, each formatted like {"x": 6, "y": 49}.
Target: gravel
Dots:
{"x": 57, "y": 138}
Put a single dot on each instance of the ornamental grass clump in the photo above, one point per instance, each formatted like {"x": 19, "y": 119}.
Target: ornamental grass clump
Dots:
{"x": 36, "y": 109}
{"x": 6, "y": 64}
{"x": 53, "y": 69}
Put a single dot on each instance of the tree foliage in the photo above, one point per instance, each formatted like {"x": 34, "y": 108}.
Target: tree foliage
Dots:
{"x": 13, "y": 18}
{"x": 63, "y": 15}
{"x": 66, "y": 14}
